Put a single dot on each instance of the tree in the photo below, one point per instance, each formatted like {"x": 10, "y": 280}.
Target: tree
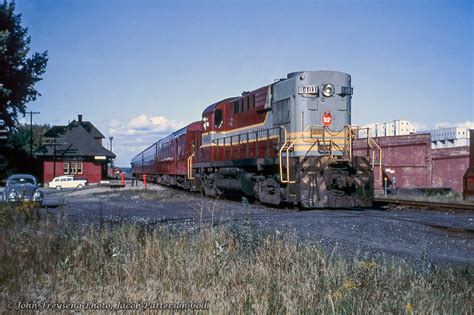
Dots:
{"x": 15, "y": 153}
{"x": 18, "y": 72}
{"x": 20, "y": 138}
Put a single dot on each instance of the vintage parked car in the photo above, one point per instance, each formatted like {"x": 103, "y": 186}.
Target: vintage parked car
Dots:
{"x": 67, "y": 181}
{"x": 22, "y": 187}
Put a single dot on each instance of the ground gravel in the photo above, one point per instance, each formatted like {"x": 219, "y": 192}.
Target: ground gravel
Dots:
{"x": 428, "y": 235}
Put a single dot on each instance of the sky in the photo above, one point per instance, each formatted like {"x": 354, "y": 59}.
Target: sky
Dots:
{"x": 140, "y": 69}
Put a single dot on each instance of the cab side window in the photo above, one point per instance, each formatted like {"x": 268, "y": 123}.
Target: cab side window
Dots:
{"x": 218, "y": 122}
{"x": 236, "y": 107}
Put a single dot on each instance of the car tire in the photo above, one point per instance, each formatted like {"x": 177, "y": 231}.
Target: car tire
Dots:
{"x": 79, "y": 186}
{"x": 58, "y": 187}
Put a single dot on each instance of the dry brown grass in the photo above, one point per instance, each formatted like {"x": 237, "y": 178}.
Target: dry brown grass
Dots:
{"x": 237, "y": 269}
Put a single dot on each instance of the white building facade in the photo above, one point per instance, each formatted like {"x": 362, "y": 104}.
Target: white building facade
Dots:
{"x": 449, "y": 138}
{"x": 440, "y": 138}
{"x": 392, "y": 128}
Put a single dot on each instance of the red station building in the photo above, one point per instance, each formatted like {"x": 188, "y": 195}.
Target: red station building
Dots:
{"x": 75, "y": 149}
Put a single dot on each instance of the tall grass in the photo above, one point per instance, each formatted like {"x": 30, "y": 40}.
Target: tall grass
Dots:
{"x": 234, "y": 268}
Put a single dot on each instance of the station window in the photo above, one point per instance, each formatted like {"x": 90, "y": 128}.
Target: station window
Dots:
{"x": 73, "y": 168}
{"x": 79, "y": 168}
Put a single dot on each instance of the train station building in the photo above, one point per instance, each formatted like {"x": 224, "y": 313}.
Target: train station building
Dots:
{"x": 74, "y": 149}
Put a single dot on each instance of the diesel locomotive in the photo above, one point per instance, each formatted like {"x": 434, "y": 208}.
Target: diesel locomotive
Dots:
{"x": 289, "y": 141}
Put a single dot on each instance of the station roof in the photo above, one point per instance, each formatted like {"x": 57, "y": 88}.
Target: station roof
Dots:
{"x": 87, "y": 125}
{"x": 78, "y": 139}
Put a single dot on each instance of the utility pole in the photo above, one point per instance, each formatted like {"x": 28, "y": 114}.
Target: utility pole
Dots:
{"x": 31, "y": 113}
{"x": 55, "y": 142}
{"x": 111, "y": 161}
{"x": 31, "y": 129}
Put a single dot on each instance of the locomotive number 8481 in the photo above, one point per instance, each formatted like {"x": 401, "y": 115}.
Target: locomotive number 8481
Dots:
{"x": 290, "y": 141}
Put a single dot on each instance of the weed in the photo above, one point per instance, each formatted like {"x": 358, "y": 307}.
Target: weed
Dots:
{"x": 238, "y": 267}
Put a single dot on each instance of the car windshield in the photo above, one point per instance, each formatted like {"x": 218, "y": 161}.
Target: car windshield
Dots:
{"x": 22, "y": 181}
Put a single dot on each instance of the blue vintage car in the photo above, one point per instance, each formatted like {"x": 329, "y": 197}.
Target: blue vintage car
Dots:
{"x": 22, "y": 187}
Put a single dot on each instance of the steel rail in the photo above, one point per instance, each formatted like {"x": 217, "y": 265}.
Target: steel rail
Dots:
{"x": 433, "y": 205}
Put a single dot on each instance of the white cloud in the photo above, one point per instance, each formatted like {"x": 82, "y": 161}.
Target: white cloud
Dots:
{"x": 115, "y": 124}
{"x": 419, "y": 126}
{"x": 141, "y": 122}
{"x": 135, "y": 135}
{"x": 466, "y": 124}
{"x": 144, "y": 125}
{"x": 154, "y": 124}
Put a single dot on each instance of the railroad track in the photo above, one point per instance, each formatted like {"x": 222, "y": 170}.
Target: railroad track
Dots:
{"x": 434, "y": 205}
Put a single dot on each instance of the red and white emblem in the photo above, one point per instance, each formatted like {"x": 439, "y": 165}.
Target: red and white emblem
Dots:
{"x": 327, "y": 119}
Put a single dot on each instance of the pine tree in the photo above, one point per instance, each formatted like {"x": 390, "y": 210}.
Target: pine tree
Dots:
{"x": 18, "y": 71}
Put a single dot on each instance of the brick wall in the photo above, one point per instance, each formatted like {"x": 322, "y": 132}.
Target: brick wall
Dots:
{"x": 92, "y": 171}
{"x": 413, "y": 162}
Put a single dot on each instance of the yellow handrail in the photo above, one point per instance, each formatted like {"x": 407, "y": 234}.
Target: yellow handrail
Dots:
{"x": 279, "y": 154}
{"x": 189, "y": 165}
{"x": 288, "y": 181}
{"x": 371, "y": 143}
{"x": 380, "y": 157}
{"x": 328, "y": 140}
{"x": 287, "y": 146}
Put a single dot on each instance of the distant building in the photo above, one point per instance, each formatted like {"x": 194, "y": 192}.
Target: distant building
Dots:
{"x": 440, "y": 138}
{"x": 75, "y": 149}
{"x": 449, "y": 138}
{"x": 387, "y": 129}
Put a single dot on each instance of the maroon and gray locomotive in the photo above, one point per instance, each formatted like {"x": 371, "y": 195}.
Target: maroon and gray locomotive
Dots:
{"x": 290, "y": 141}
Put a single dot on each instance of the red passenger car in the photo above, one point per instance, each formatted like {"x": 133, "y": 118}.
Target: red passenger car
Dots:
{"x": 165, "y": 161}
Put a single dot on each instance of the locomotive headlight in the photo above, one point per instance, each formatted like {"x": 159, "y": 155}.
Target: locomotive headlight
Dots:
{"x": 328, "y": 90}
